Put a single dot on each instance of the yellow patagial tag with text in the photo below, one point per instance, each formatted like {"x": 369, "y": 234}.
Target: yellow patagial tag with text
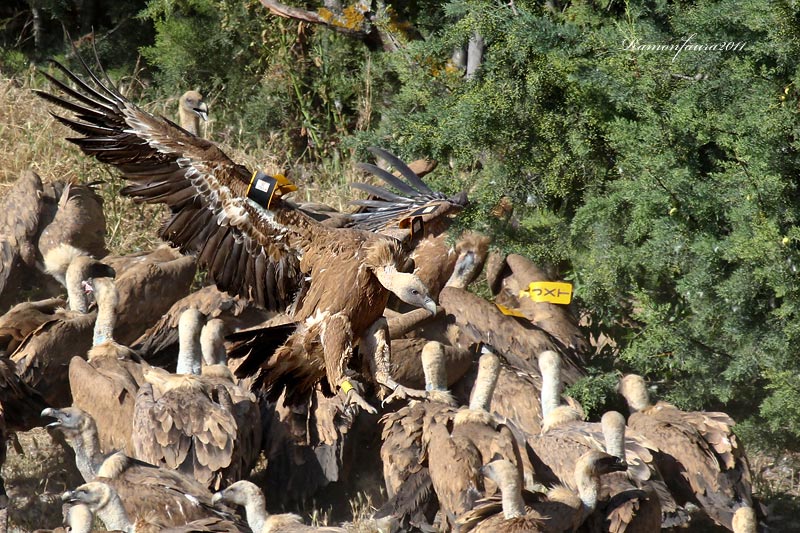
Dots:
{"x": 554, "y": 292}
{"x": 509, "y": 312}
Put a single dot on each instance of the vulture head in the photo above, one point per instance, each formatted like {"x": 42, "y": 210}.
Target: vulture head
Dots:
{"x": 70, "y": 420}
{"x": 634, "y": 390}
{"x": 595, "y": 463}
{"x": 408, "y": 287}
{"x": 239, "y": 493}
{"x": 191, "y": 108}
{"x": 95, "y": 495}
{"x": 472, "y": 249}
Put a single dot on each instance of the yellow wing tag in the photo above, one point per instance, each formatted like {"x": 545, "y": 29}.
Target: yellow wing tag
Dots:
{"x": 509, "y": 312}
{"x": 263, "y": 188}
{"x": 554, "y": 292}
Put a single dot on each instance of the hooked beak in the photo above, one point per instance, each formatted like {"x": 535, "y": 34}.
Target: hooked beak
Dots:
{"x": 216, "y": 498}
{"x": 68, "y": 497}
{"x": 616, "y": 464}
{"x": 430, "y": 305}
{"x": 52, "y": 413}
{"x": 202, "y": 111}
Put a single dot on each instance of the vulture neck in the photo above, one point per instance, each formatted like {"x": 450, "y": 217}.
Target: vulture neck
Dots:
{"x": 588, "y": 488}
{"x": 433, "y": 367}
{"x": 212, "y": 343}
{"x": 88, "y": 456}
{"x": 256, "y": 511}
{"x": 189, "y": 121}
{"x": 613, "y": 425}
{"x": 485, "y": 382}
{"x": 75, "y": 294}
{"x": 189, "y": 349}
{"x": 463, "y": 271}
{"x": 113, "y": 514}
{"x": 107, "y": 298}
{"x": 551, "y": 387}
{"x": 80, "y": 518}
{"x": 513, "y": 504}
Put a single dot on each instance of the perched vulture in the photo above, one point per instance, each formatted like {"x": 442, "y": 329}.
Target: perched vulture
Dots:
{"x": 555, "y": 319}
{"x": 473, "y": 438}
{"x": 701, "y": 460}
{"x": 148, "y": 284}
{"x": 250, "y": 497}
{"x": 334, "y": 281}
{"x": 103, "y": 500}
{"x": 191, "y": 108}
{"x": 171, "y": 497}
{"x": 203, "y": 425}
{"x": 42, "y": 358}
{"x": 559, "y": 511}
{"x": 405, "y": 437}
{"x": 159, "y": 344}
{"x": 104, "y": 383}
{"x": 79, "y": 222}
{"x": 517, "y": 340}
{"x": 20, "y": 211}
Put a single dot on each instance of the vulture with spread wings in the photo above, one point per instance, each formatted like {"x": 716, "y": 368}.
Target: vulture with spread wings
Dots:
{"x": 335, "y": 282}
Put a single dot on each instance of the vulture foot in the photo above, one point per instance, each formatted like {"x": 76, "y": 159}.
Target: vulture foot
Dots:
{"x": 354, "y": 400}
{"x": 404, "y": 393}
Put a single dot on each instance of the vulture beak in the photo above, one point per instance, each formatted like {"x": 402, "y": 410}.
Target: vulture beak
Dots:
{"x": 430, "y": 305}
{"x": 69, "y": 496}
{"x": 202, "y": 110}
{"x": 52, "y": 413}
{"x": 87, "y": 287}
{"x": 615, "y": 464}
{"x": 216, "y": 498}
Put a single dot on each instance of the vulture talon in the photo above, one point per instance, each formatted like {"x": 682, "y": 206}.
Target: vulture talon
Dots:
{"x": 355, "y": 400}
{"x": 404, "y": 393}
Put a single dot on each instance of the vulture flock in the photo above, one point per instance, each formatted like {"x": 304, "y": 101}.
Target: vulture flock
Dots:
{"x": 342, "y": 352}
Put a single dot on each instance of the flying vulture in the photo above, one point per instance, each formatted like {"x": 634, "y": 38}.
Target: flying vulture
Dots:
{"x": 334, "y": 281}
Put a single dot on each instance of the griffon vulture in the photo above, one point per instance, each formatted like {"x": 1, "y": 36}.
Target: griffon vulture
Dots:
{"x": 42, "y": 359}
{"x": 159, "y": 344}
{"x": 203, "y": 425}
{"x": 105, "y": 383}
{"x": 191, "y": 108}
{"x": 171, "y": 496}
{"x": 561, "y": 510}
{"x": 512, "y": 276}
{"x": 103, "y": 500}
{"x": 250, "y": 497}
{"x": 701, "y": 460}
{"x": 517, "y": 340}
{"x": 334, "y": 282}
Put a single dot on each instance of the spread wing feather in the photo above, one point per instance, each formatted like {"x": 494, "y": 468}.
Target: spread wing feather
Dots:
{"x": 247, "y": 249}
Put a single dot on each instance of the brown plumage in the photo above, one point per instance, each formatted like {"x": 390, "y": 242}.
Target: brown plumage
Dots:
{"x": 555, "y": 319}
{"x": 515, "y": 339}
{"x": 102, "y": 498}
{"x": 104, "y": 384}
{"x": 701, "y": 459}
{"x": 78, "y": 222}
{"x": 42, "y": 358}
{"x": 20, "y": 210}
{"x": 474, "y": 438}
{"x": 277, "y": 256}
{"x": 249, "y": 496}
{"x": 159, "y": 344}
{"x": 173, "y": 498}
{"x": 148, "y": 284}
{"x": 561, "y": 510}
{"x": 191, "y": 108}
{"x": 22, "y": 319}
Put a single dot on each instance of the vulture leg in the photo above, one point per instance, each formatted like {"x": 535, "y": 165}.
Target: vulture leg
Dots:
{"x": 338, "y": 351}
{"x": 375, "y": 348}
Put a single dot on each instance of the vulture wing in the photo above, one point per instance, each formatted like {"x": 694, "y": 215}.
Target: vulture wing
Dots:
{"x": 386, "y": 209}
{"x": 248, "y": 250}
